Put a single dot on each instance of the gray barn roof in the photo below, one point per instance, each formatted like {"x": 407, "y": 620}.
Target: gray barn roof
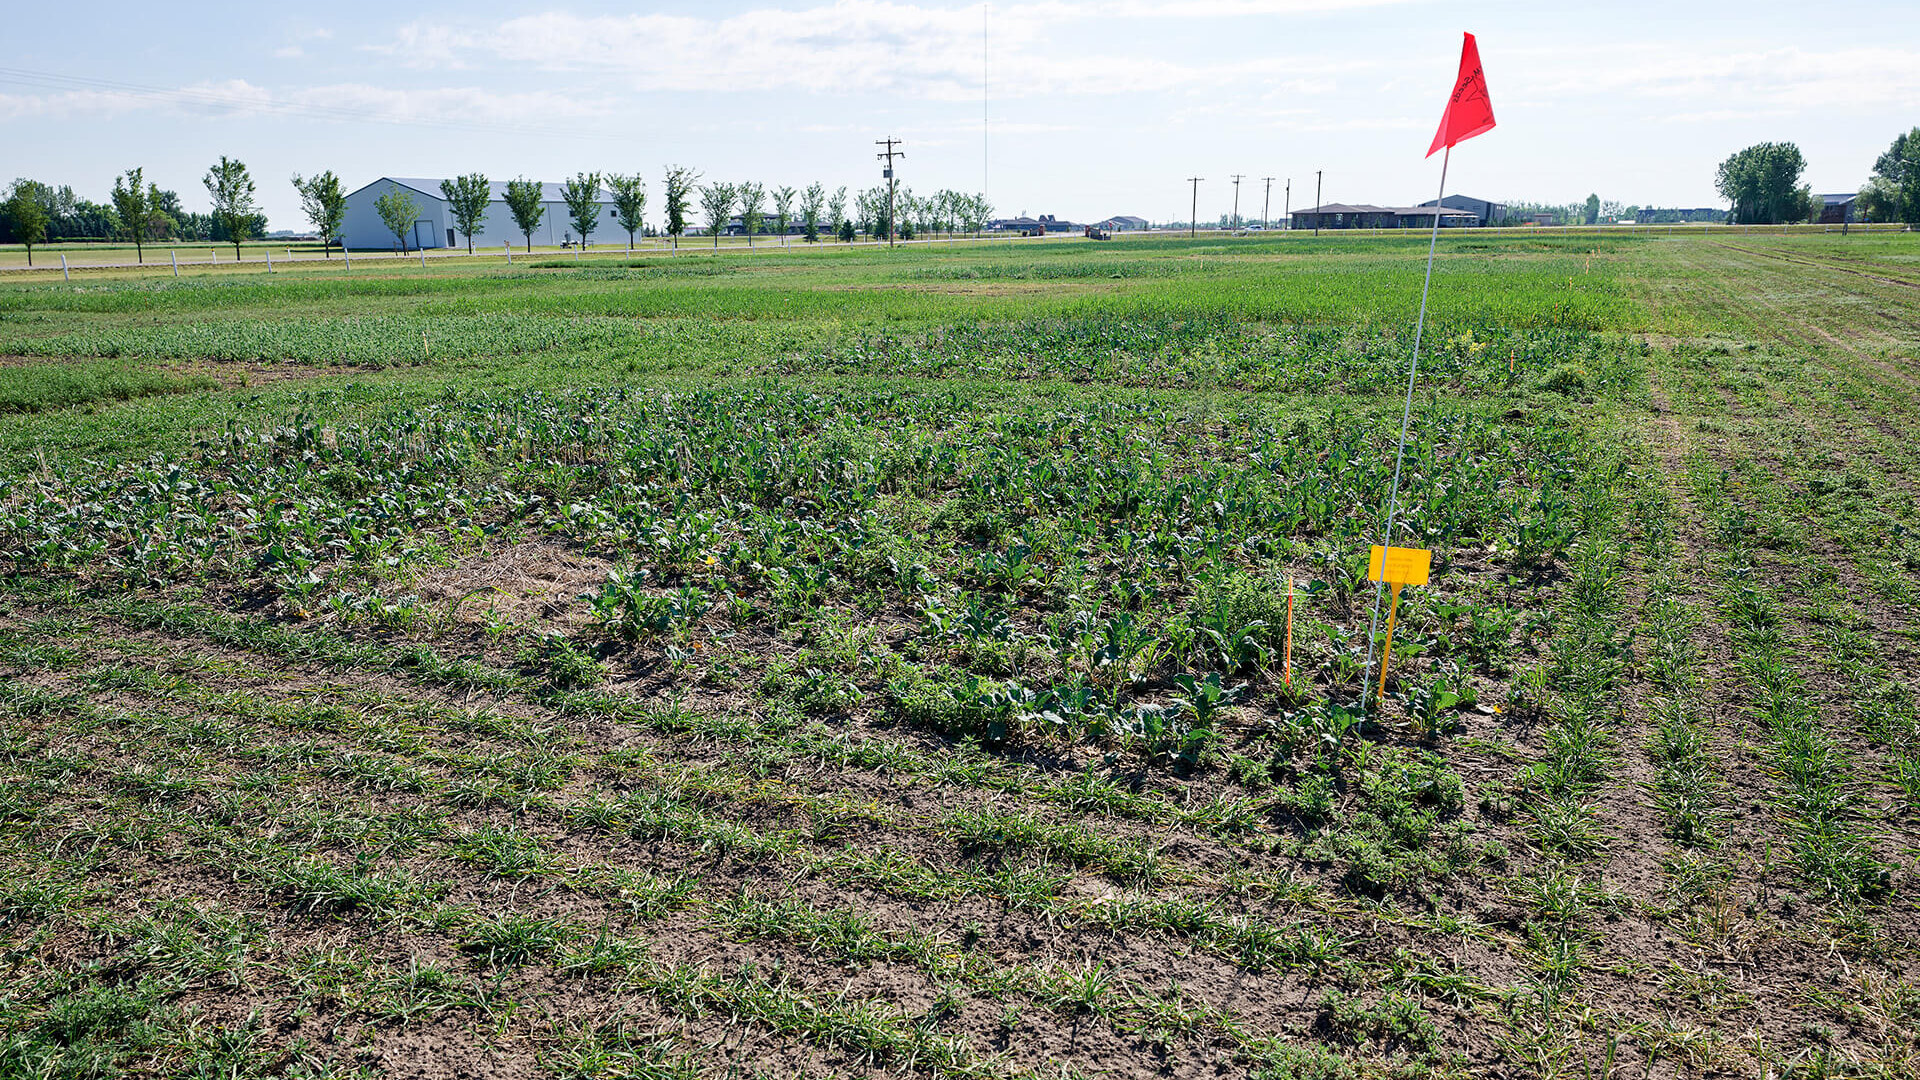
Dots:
{"x": 430, "y": 186}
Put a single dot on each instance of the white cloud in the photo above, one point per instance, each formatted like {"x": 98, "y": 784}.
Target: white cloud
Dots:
{"x": 858, "y": 47}
{"x": 454, "y": 106}
{"x": 1741, "y": 83}
{"x": 70, "y": 103}
{"x": 289, "y": 52}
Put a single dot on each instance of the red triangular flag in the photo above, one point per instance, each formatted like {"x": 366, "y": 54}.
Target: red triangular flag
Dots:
{"x": 1469, "y": 110}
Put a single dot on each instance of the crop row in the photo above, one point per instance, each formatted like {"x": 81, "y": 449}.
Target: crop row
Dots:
{"x": 1220, "y": 350}
{"x": 160, "y": 795}
{"x": 1103, "y": 571}
{"x": 1398, "y": 828}
{"x": 1823, "y": 802}
{"x": 374, "y": 340}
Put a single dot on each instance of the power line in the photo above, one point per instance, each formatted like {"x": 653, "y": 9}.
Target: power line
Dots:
{"x": 1236, "y": 202}
{"x": 1193, "y": 216}
{"x": 1317, "y": 204}
{"x": 1266, "y": 204}
{"x": 889, "y": 154}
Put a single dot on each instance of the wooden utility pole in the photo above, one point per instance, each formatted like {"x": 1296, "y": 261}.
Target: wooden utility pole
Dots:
{"x": 1316, "y": 201}
{"x": 1266, "y": 204}
{"x": 888, "y": 155}
{"x": 1193, "y": 215}
{"x": 1236, "y": 202}
{"x": 1287, "y": 209}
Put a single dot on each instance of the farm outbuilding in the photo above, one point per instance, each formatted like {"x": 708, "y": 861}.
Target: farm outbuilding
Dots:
{"x": 1345, "y": 216}
{"x": 1366, "y": 216}
{"x": 1421, "y": 217}
{"x": 1485, "y": 211}
{"x": 1025, "y": 226}
{"x": 1837, "y": 209}
{"x": 434, "y": 227}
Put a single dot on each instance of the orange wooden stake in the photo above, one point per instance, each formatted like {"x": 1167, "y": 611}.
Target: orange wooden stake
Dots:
{"x": 1286, "y": 656}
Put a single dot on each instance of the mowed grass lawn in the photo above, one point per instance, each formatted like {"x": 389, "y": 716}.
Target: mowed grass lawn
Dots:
{"x": 952, "y": 661}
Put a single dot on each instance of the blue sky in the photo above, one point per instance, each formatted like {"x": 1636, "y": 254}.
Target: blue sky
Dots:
{"x": 1091, "y": 107}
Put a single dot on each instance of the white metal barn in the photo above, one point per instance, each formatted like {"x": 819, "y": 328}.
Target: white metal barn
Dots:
{"x": 434, "y": 228}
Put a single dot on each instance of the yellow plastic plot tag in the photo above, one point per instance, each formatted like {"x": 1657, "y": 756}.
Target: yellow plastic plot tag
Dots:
{"x": 1400, "y": 566}
{"x": 1397, "y": 567}
{"x": 1386, "y": 655}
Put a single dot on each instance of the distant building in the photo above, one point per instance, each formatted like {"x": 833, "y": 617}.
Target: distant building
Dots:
{"x": 1421, "y": 217}
{"x": 1025, "y": 226}
{"x": 1345, "y": 216}
{"x": 1653, "y": 215}
{"x": 1485, "y": 211}
{"x": 1368, "y": 216}
{"x": 1837, "y": 209}
{"x": 1122, "y": 223}
{"x": 1047, "y": 223}
{"x": 769, "y": 226}
{"x": 433, "y": 227}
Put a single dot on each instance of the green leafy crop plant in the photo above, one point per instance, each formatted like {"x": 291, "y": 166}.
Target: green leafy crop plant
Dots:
{"x": 370, "y": 341}
{"x": 910, "y": 631}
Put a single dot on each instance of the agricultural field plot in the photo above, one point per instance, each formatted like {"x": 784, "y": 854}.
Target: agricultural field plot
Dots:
{"x": 862, "y": 663}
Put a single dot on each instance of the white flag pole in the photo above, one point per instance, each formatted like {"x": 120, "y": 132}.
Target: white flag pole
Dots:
{"x": 1406, "y": 419}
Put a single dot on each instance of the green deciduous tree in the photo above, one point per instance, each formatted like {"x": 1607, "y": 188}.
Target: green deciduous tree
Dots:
{"x": 187, "y": 225}
{"x": 1894, "y": 192}
{"x": 1763, "y": 184}
{"x": 325, "y": 206}
{"x": 231, "y": 190}
{"x": 582, "y": 196}
{"x": 1592, "y": 212}
{"x": 783, "y": 209}
{"x": 399, "y": 210}
{"x": 812, "y": 204}
{"x": 716, "y": 201}
{"x": 837, "y": 213}
{"x": 946, "y": 211}
{"x": 27, "y": 214}
{"x": 524, "y": 203}
{"x": 752, "y": 199}
{"x": 133, "y": 200}
{"x": 629, "y": 202}
{"x": 680, "y": 181}
{"x": 982, "y": 212}
{"x": 467, "y": 199}
{"x": 875, "y": 209}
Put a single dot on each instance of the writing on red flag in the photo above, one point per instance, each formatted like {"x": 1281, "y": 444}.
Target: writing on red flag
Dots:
{"x": 1469, "y": 110}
